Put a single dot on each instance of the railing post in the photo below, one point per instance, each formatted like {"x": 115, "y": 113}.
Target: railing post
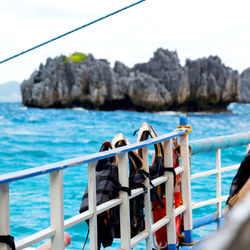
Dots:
{"x": 124, "y": 207}
{"x": 169, "y": 191}
{"x": 92, "y": 205}
{"x": 186, "y": 184}
{"x": 4, "y": 213}
{"x": 147, "y": 201}
{"x": 218, "y": 186}
{"x": 56, "y": 209}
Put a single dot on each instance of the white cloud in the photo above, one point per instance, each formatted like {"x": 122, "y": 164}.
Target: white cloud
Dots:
{"x": 194, "y": 28}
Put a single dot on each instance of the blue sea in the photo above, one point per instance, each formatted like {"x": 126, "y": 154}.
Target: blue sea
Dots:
{"x": 34, "y": 137}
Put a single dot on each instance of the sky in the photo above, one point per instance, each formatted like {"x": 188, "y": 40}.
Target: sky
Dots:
{"x": 193, "y": 28}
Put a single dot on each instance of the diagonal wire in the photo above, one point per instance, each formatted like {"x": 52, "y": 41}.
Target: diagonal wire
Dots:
{"x": 69, "y": 32}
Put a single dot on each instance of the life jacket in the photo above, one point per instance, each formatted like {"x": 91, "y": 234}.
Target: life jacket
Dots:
{"x": 241, "y": 183}
{"x": 136, "y": 179}
{"x": 157, "y": 169}
{"x": 108, "y": 187}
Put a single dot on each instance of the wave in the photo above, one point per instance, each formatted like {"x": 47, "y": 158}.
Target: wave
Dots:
{"x": 80, "y": 109}
{"x": 22, "y": 108}
{"x": 239, "y": 108}
{"x": 177, "y": 113}
{"x": 169, "y": 113}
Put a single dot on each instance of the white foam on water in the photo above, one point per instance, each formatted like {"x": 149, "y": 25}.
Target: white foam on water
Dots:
{"x": 22, "y": 108}
{"x": 239, "y": 108}
{"x": 80, "y": 109}
{"x": 85, "y": 141}
{"x": 34, "y": 118}
{"x": 200, "y": 113}
{"x": 169, "y": 113}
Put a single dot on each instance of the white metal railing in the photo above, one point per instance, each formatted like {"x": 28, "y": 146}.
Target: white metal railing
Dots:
{"x": 218, "y": 170}
{"x": 57, "y": 223}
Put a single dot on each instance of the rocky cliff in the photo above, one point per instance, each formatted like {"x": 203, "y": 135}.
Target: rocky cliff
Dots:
{"x": 245, "y": 86}
{"x": 160, "y": 84}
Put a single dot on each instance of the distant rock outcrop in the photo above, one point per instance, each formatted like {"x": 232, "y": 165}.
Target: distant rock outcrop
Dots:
{"x": 165, "y": 67}
{"x": 160, "y": 84}
{"x": 211, "y": 84}
{"x": 245, "y": 86}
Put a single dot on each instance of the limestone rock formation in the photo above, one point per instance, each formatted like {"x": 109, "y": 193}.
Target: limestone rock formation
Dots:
{"x": 211, "y": 84}
{"x": 59, "y": 84}
{"x": 160, "y": 84}
{"x": 146, "y": 92}
{"x": 245, "y": 86}
{"x": 165, "y": 67}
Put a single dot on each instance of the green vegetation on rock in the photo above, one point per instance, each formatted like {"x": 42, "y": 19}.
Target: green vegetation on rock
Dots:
{"x": 76, "y": 57}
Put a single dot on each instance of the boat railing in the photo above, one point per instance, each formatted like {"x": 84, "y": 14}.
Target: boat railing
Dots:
{"x": 55, "y": 171}
{"x": 216, "y": 144}
{"x": 57, "y": 223}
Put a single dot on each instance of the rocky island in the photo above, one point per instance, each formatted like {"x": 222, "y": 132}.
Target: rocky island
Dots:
{"x": 245, "y": 86}
{"x": 204, "y": 84}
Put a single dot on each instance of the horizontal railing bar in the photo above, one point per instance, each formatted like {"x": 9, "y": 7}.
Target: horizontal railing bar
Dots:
{"x": 204, "y": 203}
{"x": 108, "y": 205}
{"x": 139, "y": 238}
{"x": 136, "y": 192}
{"x": 203, "y": 174}
{"x": 20, "y": 175}
{"x": 87, "y": 214}
{"x": 208, "y": 202}
{"x": 160, "y": 223}
{"x": 77, "y": 219}
{"x": 180, "y": 210}
{"x": 159, "y": 180}
{"x": 205, "y": 220}
{"x": 229, "y": 168}
{"x": 156, "y": 182}
{"x": 212, "y": 144}
{"x": 224, "y": 197}
{"x": 35, "y": 238}
{"x": 179, "y": 170}
{"x": 214, "y": 171}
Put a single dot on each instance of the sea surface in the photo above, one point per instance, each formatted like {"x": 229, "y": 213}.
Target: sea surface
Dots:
{"x": 34, "y": 137}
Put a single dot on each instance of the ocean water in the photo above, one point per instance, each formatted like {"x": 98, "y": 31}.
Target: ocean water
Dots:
{"x": 34, "y": 137}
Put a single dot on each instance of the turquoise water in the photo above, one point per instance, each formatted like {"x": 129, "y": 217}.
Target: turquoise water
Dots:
{"x": 33, "y": 137}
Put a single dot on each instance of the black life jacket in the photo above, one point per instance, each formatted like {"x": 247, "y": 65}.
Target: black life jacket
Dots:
{"x": 241, "y": 177}
{"x": 107, "y": 188}
{"x": 136, "y": 179}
